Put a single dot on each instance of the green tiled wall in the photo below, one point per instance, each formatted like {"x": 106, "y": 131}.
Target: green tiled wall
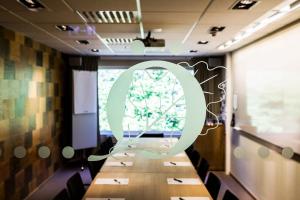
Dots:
{"x": 30, "y": 112}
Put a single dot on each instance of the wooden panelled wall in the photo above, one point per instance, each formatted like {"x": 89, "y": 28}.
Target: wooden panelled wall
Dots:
{"x": 30, "y": 112}
{"x": 212, "y": 145}
{"x": 212, "y": 84}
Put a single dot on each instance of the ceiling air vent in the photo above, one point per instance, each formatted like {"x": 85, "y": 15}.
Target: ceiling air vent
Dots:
{"x": 110, "y": 17}
{"x": 118, "y": 41}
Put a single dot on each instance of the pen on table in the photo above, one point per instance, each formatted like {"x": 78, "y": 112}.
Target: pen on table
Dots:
{"x": 117, "y": 181}
{"x": 178, "y": 180}
{"x": 173, "y": 163}
{"x": 123, "y": 164}
{"x": 180, "y": 198}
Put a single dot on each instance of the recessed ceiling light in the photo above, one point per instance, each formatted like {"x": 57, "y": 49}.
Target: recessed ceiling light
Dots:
{"x": 85, "y": 42}
{"x": 202, "y": 42}
{"x": 32, "y": 5}
{"x": 193, "y": 51}
{"x": 95, "y": 50}
{"x": 244, "y": 4}
{"x": 64, "y": 28}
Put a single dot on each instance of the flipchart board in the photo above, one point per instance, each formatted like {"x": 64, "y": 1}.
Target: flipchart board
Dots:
{"x": 84, "y": 117}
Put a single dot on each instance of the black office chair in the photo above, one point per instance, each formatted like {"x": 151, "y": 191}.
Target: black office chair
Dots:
{"x": 195, "y": 157}
{"x": 62, "y": 195}
{"x": 203, "y": 169}
{"x": 94, "y": 167}
{"x": 213, "y": 185}
{"x": 104, "y": 148}
{"x": 152, "y": 135}
{"x": 189, "y": 150}
{"x": 229, "y": 196}
{"x": 76, "y": 187}
{"x": 109, "y": 142}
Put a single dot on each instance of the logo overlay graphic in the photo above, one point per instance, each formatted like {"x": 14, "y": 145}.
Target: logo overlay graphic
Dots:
{"x": 194, "y": 117}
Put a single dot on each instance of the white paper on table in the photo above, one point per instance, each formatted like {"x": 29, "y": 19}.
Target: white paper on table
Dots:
{"x": 178, "y": 164}
{"x": 180, "y": 155}
{"x": 185, "y": 181}
{"x": 165, "y": 146}
{"x": 167, "y": 140}
{"x": 112, "y": 181}
{"x": 190, "y": 198}
{"x": 124, "y": 154}
{"x": 119, "y": 164}
{"x": 104, "y": 198}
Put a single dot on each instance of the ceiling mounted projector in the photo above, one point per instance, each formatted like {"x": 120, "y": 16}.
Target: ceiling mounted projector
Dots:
{"x": 152, "y": 42}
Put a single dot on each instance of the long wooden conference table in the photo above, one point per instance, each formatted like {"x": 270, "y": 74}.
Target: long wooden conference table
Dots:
{"x": 129, "y": 176}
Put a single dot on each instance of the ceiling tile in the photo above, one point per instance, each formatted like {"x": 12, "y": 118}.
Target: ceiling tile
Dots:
{"x": 93, "y": 5}
{"x": 174, "y": 5}
{"x": 169, "y": 18}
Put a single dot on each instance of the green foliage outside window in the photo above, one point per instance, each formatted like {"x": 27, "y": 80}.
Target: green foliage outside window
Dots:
{"x": 154, "y": 102}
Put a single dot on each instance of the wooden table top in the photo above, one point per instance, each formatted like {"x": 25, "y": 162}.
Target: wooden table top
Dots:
{"x": 145, "y": 186}
{"x": 147, "y": 179}
{"x": 140, "y": 164}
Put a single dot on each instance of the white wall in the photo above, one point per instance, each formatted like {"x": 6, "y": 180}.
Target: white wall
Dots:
{"x": 266, "y": 77}
{"x": 272, "y": 178}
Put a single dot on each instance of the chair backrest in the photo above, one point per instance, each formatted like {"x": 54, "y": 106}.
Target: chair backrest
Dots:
{"x": 203, "y": 169}
{"x": 229, "y": 196}
{"x": 189, "y": 150}
{"x": 62, "y": 195}
{"x": 213, "y": 185}
{"x": 76, "y": 187}
{"x": 105, "y": 147}
{"x": 152, "y": 135}
{"x": 109, "y": 142}
{"x": 94, "y": 167}
{"x": 195, "y": 157}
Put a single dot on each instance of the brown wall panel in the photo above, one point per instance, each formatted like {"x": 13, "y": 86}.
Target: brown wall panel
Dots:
{"x": 212, "y": 147}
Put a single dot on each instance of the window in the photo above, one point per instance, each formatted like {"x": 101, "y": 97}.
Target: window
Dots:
{"x": 155, "y": 101}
